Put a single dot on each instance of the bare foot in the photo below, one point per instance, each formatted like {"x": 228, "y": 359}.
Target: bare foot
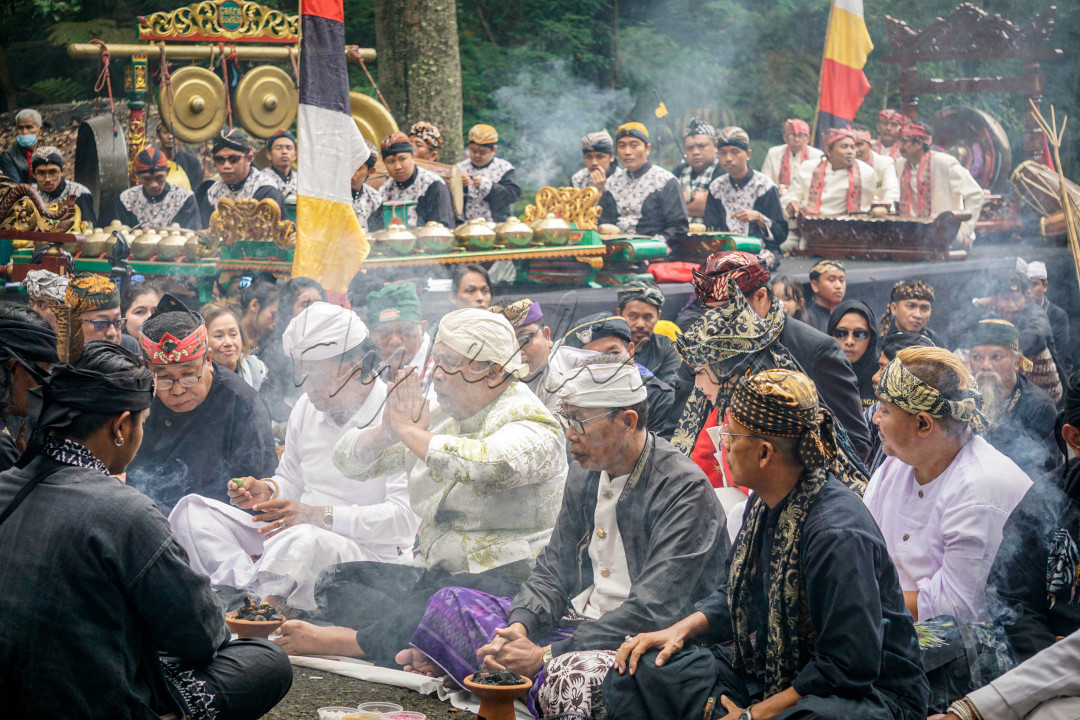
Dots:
{"x": 303, "y": 638}
{"x": 417, "y": 662}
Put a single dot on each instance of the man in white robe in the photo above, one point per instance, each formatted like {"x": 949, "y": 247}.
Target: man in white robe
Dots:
{"x": 888, "y": 187}
{"x": 783, "y": 162}
{"x": 932, "y": 182}
{"x": 837, "y": 185}
{"x": 308, "y": 516}
{"x": 889, "y": 124}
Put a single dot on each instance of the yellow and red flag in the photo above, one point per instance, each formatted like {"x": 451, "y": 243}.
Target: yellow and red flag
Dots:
{"x": 330, "y": 245}
{"x": 843, "y": 83}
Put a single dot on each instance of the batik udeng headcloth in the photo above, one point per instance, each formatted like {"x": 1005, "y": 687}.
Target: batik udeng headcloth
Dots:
{"x": 901, "y": 388}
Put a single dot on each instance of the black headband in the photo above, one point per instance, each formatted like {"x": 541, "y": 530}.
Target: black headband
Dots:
{"x": 234, "y": 139}
{"x": 398, "y": 148}
{"x": 53, "y": 158}
{"x": 733, "y": 142}
{"x": 29, "y": 342}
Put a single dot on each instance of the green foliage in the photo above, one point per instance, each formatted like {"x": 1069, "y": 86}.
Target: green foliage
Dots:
{"x": 54, "y": 90}
{"x": 105, "y": 29}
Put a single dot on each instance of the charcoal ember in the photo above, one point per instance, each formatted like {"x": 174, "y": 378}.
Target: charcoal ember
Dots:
{"x": 258, "y": 612}
{"x": 500, "y": 677}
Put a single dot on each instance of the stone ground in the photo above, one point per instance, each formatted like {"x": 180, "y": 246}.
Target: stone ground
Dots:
{"x": 313, "y": 689}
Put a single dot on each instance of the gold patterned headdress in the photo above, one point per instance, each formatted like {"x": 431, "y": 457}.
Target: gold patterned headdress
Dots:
{"x": 901, "y": 388}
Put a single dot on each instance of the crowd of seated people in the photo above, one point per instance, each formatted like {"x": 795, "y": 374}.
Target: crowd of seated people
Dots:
{"x": 802, "y": 505}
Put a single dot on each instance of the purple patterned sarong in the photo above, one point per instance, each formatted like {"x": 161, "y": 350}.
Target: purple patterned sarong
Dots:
{"x": 458, "y": 622}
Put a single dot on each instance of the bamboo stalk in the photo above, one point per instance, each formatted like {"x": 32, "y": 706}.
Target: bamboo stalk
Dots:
{"x": 1054, "y": 136}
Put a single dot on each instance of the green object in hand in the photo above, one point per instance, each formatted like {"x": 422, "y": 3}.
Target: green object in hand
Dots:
{"x": 238, "y": 482}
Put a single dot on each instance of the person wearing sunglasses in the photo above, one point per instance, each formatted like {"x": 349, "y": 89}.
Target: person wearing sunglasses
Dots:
{"x": 155, "y": 202}
{"x": 27, "y": 353}
{"x": 233, "y": 156}
{"x": 93, "y": 303}
{"x": 206, "y": 424}
{"x": 854, "y": 326}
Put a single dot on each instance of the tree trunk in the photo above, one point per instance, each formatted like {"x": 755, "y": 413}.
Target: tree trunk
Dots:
{"x": 5, "y": 85}
{"x": 420, "y": 66}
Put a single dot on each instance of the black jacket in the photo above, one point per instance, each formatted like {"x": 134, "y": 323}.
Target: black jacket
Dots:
{"x": 674, "y": 533}
{"x": 14, "y": 164}
{"x": 1045, "y": 523}
{"x": 1026, "y": 433}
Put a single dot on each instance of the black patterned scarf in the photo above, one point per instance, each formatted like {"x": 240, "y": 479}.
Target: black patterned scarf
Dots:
{"x": 735, "y": 341}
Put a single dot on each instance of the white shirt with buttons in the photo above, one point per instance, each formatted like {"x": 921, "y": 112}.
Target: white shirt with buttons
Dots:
{"x": 611, "y": 574}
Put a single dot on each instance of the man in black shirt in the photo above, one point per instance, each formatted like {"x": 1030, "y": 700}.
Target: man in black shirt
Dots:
{"x": 206, "y": 424}
{"x": 812, "y": 610}
{"x": 640, "y": 303}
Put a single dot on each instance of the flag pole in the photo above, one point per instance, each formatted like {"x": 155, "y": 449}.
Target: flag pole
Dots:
{"x": 821, "y": 74}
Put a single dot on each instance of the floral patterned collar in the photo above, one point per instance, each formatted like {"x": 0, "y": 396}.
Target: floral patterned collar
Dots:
{"x": 72, "y": 453}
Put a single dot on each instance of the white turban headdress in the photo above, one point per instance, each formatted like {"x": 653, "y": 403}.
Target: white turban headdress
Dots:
{"x": 323, "y": 331}
{"x": 604, "y": 385}
{"x": 45, "y": 284}
{"x": 484, "y": 336}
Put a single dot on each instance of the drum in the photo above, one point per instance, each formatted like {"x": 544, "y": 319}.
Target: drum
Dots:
{"x": 1040, "y": 188}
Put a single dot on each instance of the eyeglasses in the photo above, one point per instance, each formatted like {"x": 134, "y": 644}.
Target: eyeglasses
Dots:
{"x": 725, "y": 433}
{"x": 230, "y": 159}
{"x": 842, "y": 333}
{"x": 104, "y": 325}
{"x": 578, "y": 426}
{"x": 187, "y": 381}
{"x": 525, "y": 340}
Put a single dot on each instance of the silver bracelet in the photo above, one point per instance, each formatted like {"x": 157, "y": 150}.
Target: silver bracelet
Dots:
{"x": 965, "y": 710}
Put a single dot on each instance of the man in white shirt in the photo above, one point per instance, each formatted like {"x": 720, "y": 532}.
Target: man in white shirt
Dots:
{"x": 888, "y": 187}
{"x": 889, "y": 123}
{"x": 783, "y": 162}
{"x": 932, "y": 182}
{"x": 308, "y": 515}
{"x": 399, "y": 331}
{"x": 944, "y": 493}
{"x": 840, "y": 183}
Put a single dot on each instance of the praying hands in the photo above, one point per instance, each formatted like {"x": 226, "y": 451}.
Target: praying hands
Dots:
{"x": 512, "y": 650}
{"x": 407, "y": 413}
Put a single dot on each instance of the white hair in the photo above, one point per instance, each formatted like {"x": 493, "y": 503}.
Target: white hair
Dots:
{"x": 29, "y": 113}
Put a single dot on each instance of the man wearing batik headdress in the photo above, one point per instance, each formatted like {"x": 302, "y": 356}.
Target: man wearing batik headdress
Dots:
{"x": 155, "y": 202}
{"x": 889, "y": 124}
{"x": 366, "y": 200}
{"x": 828, "y": 285}
{"x": 281, "y": 149}
{"x": 234, "y": 159}
{"x": 598, "y": 153}
{"x": 837, "y": 185}
{"x": 888, "y": 187}
{"x": 932, "y": 182}
{"x": 783, "y": 162}
{"x": 45, "y": 293}
{"x": 91, "y": 312}
{"x": 27, "y": 354}
{"x": 742, "y": 200}
{"x": 1008, "y": 301}
{"x": 810, "y": 622}
{"x": 944, "y": 493}
{"x": 533, "y": 337}
{"x": 911, "y": 304}
{"x": 491, "y": 185}
{"x": 642, "y": 198}
{"x": 1034, "y": 589}
{"x": 408, "y": 182}
{"x": 1021, "y": 414}
{"x": 206, "y": 424}
{"x": 700, "y": 167}
{"x": 745, "y": 330}
{"x": 426, "y": 140}
{"x": 47, "y": 167}
{"x": 640, "y": 303}
{"x": 638, "y": 539}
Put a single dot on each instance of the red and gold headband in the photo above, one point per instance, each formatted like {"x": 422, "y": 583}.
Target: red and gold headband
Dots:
{"x": 171, "y": 350}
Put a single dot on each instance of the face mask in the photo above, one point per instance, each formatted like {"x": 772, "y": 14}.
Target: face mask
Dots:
{"x": 26, "y": 140}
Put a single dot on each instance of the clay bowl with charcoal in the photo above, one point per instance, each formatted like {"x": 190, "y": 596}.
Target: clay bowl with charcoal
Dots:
{"x": 497, "y": 692}
{"x": 260, "y": 629}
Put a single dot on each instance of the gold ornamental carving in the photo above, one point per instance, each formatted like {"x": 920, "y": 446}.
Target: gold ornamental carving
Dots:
{"x": 574, "y": 205}
{"x": 21, "y": 209}
{"x": 236, "y": 220}
{"x": 221, "y": 20}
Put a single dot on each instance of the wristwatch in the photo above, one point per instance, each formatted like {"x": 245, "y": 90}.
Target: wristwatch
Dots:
{"x": 546, "y": 657}
{"x": 328, "y": 517}
{"x": 746, "y": 715}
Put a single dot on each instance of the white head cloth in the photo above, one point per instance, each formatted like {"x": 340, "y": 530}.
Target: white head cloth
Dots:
{"x": 477, "y": 334}
{"x": 1034, "y": 270}
{"x": 323, "y": 331}
{"x": 606, "y": 385}
{"x": 563, "y": 360}
{"x": 45, "y": 284}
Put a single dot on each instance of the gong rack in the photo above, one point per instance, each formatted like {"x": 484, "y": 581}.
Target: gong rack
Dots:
{"x": 194, "y": 101}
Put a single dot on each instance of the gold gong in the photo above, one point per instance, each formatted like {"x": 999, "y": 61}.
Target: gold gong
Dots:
{"x": 265, "y": 101}
{"x": 375, "y": 121}
{"x": 198, "y": 100}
